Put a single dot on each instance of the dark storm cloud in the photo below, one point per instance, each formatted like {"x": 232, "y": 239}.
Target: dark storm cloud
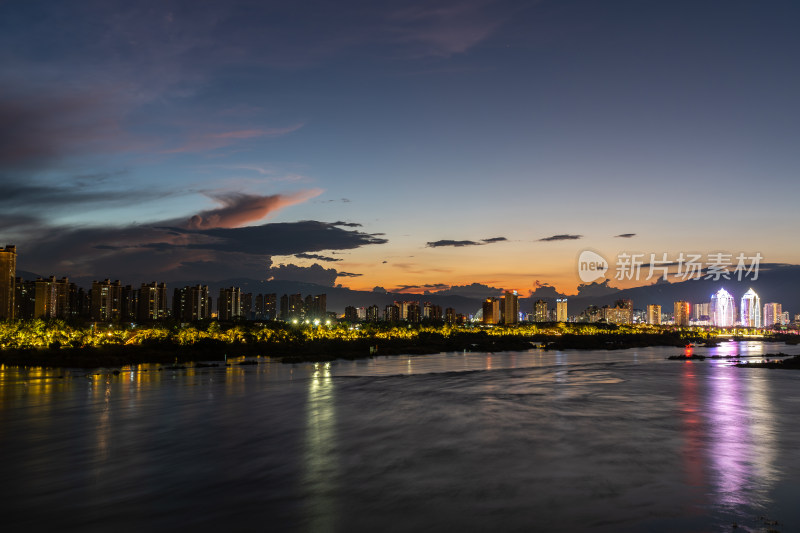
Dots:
{"x": 562, "y": 237}
{"x": 458, "y": 244}
{"x": 348, "y": 275}
{"x": 426, "y": 288}
{"x": 317, "y": 257}
{"x": 157, "y": 252}
{"x": 284, "y": 238}
{"x": 446, "y": 242}
{"x": 625, "y": 235}
{"x": 346, "y": 224}
{"x": 313, "y": 274}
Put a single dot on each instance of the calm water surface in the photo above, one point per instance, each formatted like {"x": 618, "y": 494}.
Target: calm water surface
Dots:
{"x": 519, "y": 441}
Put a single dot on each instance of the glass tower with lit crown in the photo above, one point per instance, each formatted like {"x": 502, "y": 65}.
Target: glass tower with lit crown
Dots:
{"x": 723, "y": 309}
{"x": 750, "y": 310}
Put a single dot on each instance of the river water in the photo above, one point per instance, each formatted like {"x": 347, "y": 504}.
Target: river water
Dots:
{"x": 517, "y": 441}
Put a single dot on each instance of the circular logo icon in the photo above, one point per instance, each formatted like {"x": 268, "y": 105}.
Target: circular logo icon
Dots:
{"x": 591, "y": 266}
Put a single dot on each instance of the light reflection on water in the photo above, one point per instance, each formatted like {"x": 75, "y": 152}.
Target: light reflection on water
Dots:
{"x": 563, "y": 441}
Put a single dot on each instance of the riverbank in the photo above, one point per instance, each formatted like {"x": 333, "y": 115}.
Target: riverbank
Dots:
{"x": 323, "y": 349}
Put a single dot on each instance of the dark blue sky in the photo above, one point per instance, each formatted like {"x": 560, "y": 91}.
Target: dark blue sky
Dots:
{"x": 412, "y": 122}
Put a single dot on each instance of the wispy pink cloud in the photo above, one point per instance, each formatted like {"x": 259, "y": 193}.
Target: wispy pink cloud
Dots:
{"x": 213, "y": 141}
{"x": 239, "y": 209}
{"x": 444, "y": 30}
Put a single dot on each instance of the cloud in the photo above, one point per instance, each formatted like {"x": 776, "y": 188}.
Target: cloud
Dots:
{"x": 443, "y": 29}
{"x": 625, "y": 235}
{"x": 239, "y": 209}
{"x": 346, "y": 224}
{"x": 213, "y": 141}
{"x": 458, "y": 244}
{"x": 317, "y": 257}
{"x": 312, "y": 274}
{"x": 342, "y": 200}
{"x": 417, "y": 289}
{"x": 475, "y": 290}
{"x": 562, "y": 237}
{"x": 37, "y": 201}
{"x": 348, "y": 275}
{"x": 147, "y": 252}
{"x": 446, "y": 242}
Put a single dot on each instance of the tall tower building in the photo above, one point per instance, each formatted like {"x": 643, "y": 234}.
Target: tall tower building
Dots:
{"x": 44, "y": 299}
{"x": 190, "y": 304}
{"x": 682, "y": 313}
{"x": 105, "y": 300}
{"x": 750, "y": 310}
{"x": 540, "y": 311}
{"x": 510, "y": 307}
{"x": 491, "y": 311}
{"x": 229, "y": 304}
{"x": 626, "y": 316}
{"x": 152, "y": 302}
{"x": 24, "y": 298}
{"x": 654, "y": 314}
{"x": 772, "y": 314}
{"x": 8, "y": 273}
{"x": 295, "y": 306}
{"x": 561, "y": 310}
{"x": 722, "y": 309}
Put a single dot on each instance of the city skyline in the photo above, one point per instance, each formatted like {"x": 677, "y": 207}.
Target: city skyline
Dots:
{"x": 399, "y": 146}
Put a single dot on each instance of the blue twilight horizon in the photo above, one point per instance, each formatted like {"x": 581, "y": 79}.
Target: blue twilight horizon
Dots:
{"x": 399, "y": 144}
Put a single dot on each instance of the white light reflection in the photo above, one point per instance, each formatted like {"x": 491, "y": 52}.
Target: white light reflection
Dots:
{"x": 320, "y": 461}
{"x": 743, "y": 438}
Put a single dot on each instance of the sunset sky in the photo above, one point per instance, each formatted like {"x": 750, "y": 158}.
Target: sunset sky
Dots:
{"x": 408, "y": 144}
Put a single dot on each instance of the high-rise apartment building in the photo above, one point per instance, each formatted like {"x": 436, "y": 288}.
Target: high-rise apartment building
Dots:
{"x": 540, "y": 311}
{"x": 247, "y": 305}
{"x": 391, "y": 313}
{"x": 266, "y": 307}
{"x": 682, "y": 311}
{"x": 24, "y": 298}
{"x": 413, "y": 313}
{"x": 561, "y": 310}
{"x": 491, "y": 311}
{"x": 654, "y": 314}
{"x": 373, "y": 313}
{"x": 8, "y": 273}
{"x": 509, "y": 307}
{"x": 105, "y": 300}
{"x": 295, "y": 311}
{"x": 44, "y": 299}
{"x": 350, "y": 313}
{"x": 626, "y": 316}
{"x": 152, "y": 302}
{"x": 190, "y": 304}
{"x": 701, "y": 311}
{"x": 229, "y": 303}
{"x": 750, "y": 310}
{"x": 772, "y": 314}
